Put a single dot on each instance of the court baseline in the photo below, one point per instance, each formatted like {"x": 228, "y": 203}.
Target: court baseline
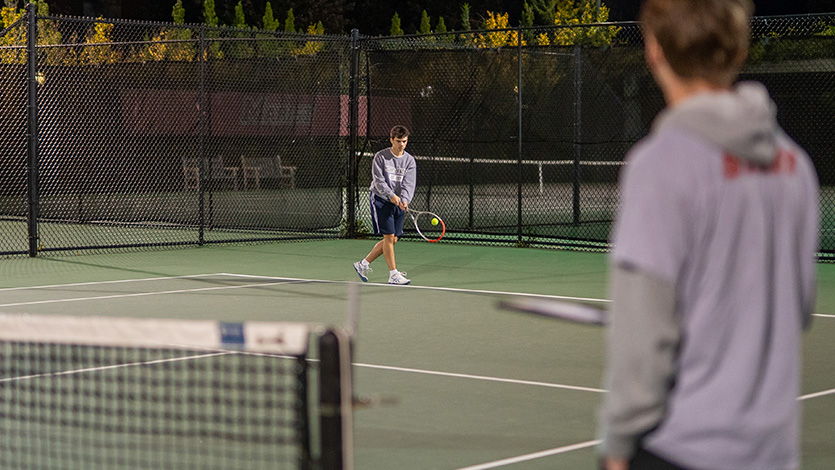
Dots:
{"x": 284, "y": 280}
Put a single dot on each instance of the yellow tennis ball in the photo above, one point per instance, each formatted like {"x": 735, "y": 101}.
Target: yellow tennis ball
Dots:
{"x": 434, "y": 221}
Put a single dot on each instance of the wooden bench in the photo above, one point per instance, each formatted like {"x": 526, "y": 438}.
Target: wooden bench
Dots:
{"x": 258, "y": 168}
{"x": 217, "y": 172}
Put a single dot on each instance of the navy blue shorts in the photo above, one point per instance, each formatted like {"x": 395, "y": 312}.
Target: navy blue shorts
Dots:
{"x": 386, "y": 217}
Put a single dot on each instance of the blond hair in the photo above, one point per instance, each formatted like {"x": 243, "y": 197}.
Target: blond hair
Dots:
{"x": 706, "y": 39}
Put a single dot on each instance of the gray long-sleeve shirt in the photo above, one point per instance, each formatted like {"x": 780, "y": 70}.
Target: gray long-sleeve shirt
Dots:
{"x": 720, "y": 211}
{"x": 392, "y": 175}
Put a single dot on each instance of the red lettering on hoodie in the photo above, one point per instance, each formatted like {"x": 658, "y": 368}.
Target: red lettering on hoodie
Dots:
{"x": 784, "y": 162}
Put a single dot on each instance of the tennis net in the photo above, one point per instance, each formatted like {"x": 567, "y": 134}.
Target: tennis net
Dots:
{"x": 118, "y": 393}
{"x": 542, "y": 198}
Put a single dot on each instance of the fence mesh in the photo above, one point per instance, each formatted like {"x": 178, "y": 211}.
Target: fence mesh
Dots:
{"x": 162, "y": 134}
{"x": 579, "y": 97}
{"x": 169, "y": 134}
{"x": 13, "y": 144}
{"x": 577, "y": 106}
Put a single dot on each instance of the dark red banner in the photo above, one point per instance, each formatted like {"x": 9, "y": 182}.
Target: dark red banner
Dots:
{"x": 175, "y": 112}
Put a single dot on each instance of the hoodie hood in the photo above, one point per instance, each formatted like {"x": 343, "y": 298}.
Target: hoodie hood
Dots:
{"x": 742, "y": 121}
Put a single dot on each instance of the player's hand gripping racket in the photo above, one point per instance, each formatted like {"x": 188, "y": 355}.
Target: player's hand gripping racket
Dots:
{"x": 568, "y": 311}
{"x": 428, "y": 224}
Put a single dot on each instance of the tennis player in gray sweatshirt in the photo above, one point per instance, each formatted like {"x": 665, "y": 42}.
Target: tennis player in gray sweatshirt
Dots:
{"x": 713, "y": 268}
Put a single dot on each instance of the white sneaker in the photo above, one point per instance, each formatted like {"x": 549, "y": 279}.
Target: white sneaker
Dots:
{"x": 399, "y": 279}
{"x": 362, "y": 271}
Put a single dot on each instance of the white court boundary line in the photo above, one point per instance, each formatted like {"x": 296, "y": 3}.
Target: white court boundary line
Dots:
{"x": 95, "y": 283}
{"x": 284, "y": 280}
{"x": 287, "y": 280}
{"x": 450, "y": 289}
{"x": 583, "y": 445}
{"x": 533, "y": 456}
{"x": 481, "y": 377}
{"x": 412, "y": 286}
{"x": 139, "y": 294}
{"x": 816, "y": 394}
{"x": 111, "y": 367}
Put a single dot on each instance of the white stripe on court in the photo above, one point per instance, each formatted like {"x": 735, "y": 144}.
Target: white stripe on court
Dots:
{"x": 141, "y": 294}
{"x": 285, "y": 280}
{"x": 535, "y": 455}
{"x": 817, "y": 394}
{"x": 447, "y": 289}
{"x": 95, "y": 283}
{"x": 412, "y": 286}
{"x": 115, "y": 366}
{"x": 480, "y": 377}
{"x": 295, "y": 279}
{"x": 582, "y": 445}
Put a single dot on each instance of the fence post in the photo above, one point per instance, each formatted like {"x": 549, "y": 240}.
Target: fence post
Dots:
{"x": 32, "y": 70}
{"x": 353, "y": 162}
{"x": 201, "y": 104}
{"x": 578, "y": 129}
{"x": 519, "y": 136}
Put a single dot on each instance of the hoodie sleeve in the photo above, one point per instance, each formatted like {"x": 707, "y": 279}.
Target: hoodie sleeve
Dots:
{"x": 407, "y": 187}
{"x": 642, "y": 344}
{"x": 811, "y": 243}
{"x": 380, "y": 183}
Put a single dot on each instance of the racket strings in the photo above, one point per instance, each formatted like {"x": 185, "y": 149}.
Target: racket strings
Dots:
{"x": 425, "y": 227}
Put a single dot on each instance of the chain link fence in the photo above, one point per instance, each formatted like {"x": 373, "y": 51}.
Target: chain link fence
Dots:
{"x": 167, "y": 134}
{"x": 520, "y": 134}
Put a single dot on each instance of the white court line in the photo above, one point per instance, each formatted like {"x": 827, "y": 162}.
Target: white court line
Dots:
{"x": 817, "y": 394}
{"x": 535, "y": 455}
{"x": 93, "y": 283}
{"x": 279, "y": 281}
{"x": 448, "y": 289}
{"x": 115, "y": 366}
{"x": 296, "y": 279}
{"x": 140, "y": 294}
{"x": 412, "y": 286}
{"x": 284, "y": 280}
{"x": 481, "y": 377}
{"x": 582, "y": 445}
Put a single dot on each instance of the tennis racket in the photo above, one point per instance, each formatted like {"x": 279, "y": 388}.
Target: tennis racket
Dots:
{"x": 568, "y": 311}
{"x": 428, "y": 224}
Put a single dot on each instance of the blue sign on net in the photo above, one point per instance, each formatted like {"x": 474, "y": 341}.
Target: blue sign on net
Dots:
{"x": 232, "y": 334}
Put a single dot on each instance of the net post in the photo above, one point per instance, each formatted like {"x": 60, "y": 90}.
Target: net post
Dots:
{"x": 335, "y": 401}
{"x": 306, "y": 455}
{"x": 32, "y": 131}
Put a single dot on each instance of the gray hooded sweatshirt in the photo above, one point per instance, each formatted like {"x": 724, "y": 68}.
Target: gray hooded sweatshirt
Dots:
{"x": 713, "y": 279}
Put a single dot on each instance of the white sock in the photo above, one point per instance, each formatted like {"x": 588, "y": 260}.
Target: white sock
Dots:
{"x": 364, "y": 262}
{"x": 393, "y": 272}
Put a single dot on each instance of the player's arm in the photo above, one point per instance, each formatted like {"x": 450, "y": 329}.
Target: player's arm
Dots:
{"x": 643, "y": 340}
{"x": 810, "y": 244}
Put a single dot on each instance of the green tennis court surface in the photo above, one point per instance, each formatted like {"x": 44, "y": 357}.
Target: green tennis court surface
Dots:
{"x": 449, "y": 381}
